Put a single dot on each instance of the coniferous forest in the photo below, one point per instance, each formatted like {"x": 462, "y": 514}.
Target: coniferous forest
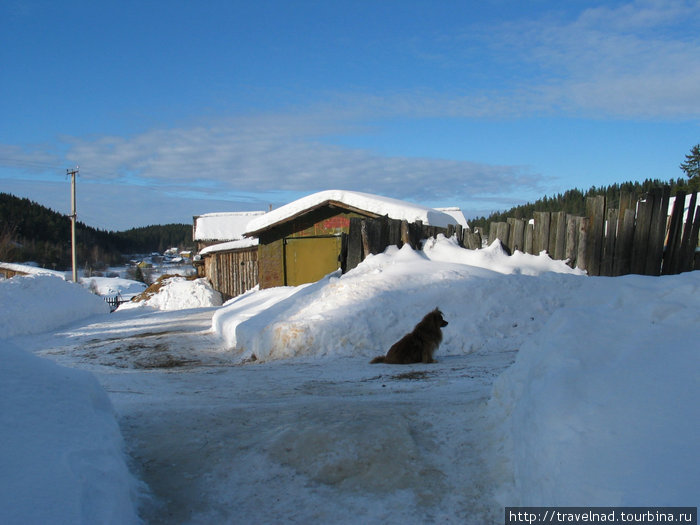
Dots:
{"x": 32, "y": 232}
{"x": 574, "y": 201}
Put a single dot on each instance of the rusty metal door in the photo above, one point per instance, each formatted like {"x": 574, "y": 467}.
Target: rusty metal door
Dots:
{"x": 308, "y": 259}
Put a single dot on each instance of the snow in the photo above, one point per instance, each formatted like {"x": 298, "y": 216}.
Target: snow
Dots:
{"x": 551, "y": 388}
{"x": 62, "y": 458}
{"x": 41, "y": 302}
{"x": 345, "y": 316}
{"x": 113, "y": 286}
{"x": 601, "y": 405}
{"x": 31, "y": 270}
{"x": 395, "y": 209}
{"x": 457, "y": 214}
{"x": 232, "y": 245}
{"x": 223, "y": 226}
{"x": 180, "y": 293}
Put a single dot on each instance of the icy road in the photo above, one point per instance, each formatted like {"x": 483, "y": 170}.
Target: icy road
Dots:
{"x": 320, "y": 440}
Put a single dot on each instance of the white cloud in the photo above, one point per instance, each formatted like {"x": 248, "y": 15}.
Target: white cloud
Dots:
{"x": 283, "y": 154}
{"x": 637, "y": 60}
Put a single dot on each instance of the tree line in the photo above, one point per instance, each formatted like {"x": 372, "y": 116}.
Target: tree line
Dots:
{"x": 574, "y": 201}
{"x": 32, "y": 232}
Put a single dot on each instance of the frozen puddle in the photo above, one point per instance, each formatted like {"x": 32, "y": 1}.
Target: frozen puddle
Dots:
{"x": 332, "y": 440}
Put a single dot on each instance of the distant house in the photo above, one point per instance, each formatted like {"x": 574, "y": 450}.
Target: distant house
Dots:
{"x": 225, "y": 258}
{"x": 303, "y": 240}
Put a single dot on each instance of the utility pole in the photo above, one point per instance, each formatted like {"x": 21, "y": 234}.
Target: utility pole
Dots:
{"x": 73, "y": 217}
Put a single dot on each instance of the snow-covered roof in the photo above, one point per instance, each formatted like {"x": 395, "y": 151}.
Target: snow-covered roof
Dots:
{"x": 457, "y": 214}
{"x": 231, "y": 245}
{"x": 227, "y": 226}
{"x": 31, "y": 270}
{"x": 373, "y": 204}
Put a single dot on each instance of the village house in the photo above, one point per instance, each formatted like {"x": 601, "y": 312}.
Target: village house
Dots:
{"x": 297, "y": 243}
{"x": 229, "y": 261}
{"x": 304, "y": 240}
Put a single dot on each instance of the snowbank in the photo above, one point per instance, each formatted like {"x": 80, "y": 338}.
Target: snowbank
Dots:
{"x": 180, "y": 293}
{"x": 39, "y": 303}
{"x": 601, "y": 405}
{"x": 364, "y": 311}
{"x": 29, "y": 269}
{"x": 62, "y": 458}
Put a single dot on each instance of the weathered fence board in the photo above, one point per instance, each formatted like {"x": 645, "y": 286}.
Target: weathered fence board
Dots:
{"x": 595, "y": 211}
{"x": 687, "y": 246}
{"x": 640, "y": 242}
{"x": 657, "y": 229}
{"x": 540, "y": 236}
{"x": 606, "y": 263}
{"x": 571, "y": 249}
{"x": 529, "y": 233}
{"x": 623, "y": 244}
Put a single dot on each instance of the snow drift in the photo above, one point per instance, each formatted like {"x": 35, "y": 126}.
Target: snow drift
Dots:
{"x": 38, "y": 303}
{"x": 601, "y": 405}
{"x": 366, "y": 310}
{"x": 62, "y": 458}
{"x": 179, "y": 293}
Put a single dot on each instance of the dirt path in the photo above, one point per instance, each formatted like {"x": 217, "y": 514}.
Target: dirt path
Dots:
{"x": 315, "y": 441}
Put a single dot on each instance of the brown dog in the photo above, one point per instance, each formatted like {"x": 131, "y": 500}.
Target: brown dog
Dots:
{"x": 419, "y": 345}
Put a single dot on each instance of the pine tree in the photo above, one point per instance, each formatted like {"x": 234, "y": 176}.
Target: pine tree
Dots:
{"x": 691, "y": 166}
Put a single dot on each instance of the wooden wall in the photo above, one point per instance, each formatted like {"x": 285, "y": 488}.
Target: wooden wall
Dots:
{"x": 232, "y": 272}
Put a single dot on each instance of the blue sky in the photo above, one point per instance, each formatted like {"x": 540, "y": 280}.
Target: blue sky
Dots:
{"x": 173, "y": 109}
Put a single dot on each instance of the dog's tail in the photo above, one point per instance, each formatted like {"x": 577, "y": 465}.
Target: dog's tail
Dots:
{"x": 379, "y": 359}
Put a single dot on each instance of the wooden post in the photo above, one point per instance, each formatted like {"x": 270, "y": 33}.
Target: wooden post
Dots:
{"x": 688, "y": 242}
{"x": 541, "y": 232}
{"x": 571, "y": 249}
{"x": 582, "y": 252}
{"x": 641, "y": 237}
{"x": 517, "y": 235}
{"x": 657, "y": 230}
{"x": 529, "y": 231}
{"x": 355, "y": 244}
{"x": 607, "y": 262}
{"x": 405, "y": 234}
{"x": 560, "y": 236}
{"x": 670, "y": 263}
{"x": 623, "y": 243}
{"x": 595, "y": 211}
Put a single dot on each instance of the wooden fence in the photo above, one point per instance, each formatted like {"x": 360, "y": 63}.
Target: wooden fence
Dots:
{"x": 638, "y": 237}
{"x": 373, "y": 236}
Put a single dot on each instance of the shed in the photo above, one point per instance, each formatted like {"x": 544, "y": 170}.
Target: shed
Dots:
{"x": 231, "y": 267}
{"x": 216, "y": 228}
{"x": 225, "y": 258}
{"x": 304, "y": 240}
